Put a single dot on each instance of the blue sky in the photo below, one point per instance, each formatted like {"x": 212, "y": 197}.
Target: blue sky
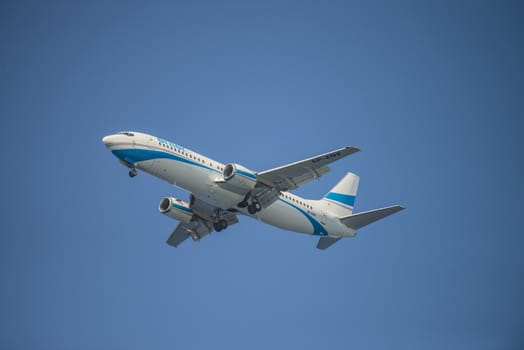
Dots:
{"x": 431, "y": 92}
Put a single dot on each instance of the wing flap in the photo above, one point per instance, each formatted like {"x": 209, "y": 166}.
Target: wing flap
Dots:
{"x": 357, "y": 221}
{"x": 197, "y": 228}
{"x": 179, "y": 235}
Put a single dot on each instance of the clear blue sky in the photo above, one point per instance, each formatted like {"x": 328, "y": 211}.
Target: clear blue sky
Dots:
{"x": 431, "y": 91}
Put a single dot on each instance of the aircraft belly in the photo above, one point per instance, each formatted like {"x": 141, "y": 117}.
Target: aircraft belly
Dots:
{"x": 285, "y": 216}
{"x": 147, "y": 165}
{"x": 194, "y": 179}
{"x": 181, "y": 174}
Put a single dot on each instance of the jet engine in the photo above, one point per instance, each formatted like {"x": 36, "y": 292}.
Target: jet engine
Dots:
{"x": 175, "y": 209}
{"x": 239, "y": 176}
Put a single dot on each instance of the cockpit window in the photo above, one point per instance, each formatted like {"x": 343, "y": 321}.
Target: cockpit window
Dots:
{"x": 127, "y": 133}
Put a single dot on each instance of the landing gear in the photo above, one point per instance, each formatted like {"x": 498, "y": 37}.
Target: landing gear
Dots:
{"x": 254, "y": 207}
{"x": 132, "y": 172}
{"x": 244, "y": 202}
{"x": 220, "y": 225}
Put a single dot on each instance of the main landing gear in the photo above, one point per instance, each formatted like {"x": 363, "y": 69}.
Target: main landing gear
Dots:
{"x": 220, "y": 225}
{"x": 132, "y": 172}
{"x": 252, "y": 208}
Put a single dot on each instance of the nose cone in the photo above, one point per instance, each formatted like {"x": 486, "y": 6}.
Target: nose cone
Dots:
{"x": 109, "y": 140}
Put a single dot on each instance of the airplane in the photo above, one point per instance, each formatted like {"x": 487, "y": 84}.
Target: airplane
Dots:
{"x": 220, "y": 192}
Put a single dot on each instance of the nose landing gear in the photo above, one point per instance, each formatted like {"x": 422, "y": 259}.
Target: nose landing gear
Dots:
{"x": 132, "y": 172}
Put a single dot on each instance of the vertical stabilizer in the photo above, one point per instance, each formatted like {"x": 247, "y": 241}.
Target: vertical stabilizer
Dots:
{"x": 341, "y": 199}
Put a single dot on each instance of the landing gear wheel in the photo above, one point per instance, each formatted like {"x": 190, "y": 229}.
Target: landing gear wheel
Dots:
{"x": 244, "y": 202}
{"x": 251, "y": 209}
{"x": 258, "y": 206}
{"x": 132, "y": 173}
{"x": 220, "y": 225}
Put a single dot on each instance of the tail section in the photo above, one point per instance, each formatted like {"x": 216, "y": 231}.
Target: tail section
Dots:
{"x": 340, "y": 202}
{"x": 341, "y": 199}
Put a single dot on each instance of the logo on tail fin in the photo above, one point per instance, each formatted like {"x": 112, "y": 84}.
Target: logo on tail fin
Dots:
{"x": 345, "y": 199}
{"x": 341, "y": 199}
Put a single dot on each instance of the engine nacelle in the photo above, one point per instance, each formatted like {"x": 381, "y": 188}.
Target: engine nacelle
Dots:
{"x": 175, "y": 209}
{"x": 239, "y": 176}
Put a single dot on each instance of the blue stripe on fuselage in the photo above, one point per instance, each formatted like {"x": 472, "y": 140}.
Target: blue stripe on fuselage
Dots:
{"x": 133, "y": 155}
{"x": 318, "y": 229}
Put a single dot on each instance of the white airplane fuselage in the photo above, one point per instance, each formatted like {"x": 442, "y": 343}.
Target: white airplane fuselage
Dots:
{"x": 201, "y": 175}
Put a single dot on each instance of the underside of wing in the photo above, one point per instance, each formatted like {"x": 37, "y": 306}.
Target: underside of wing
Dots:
{"x": 293, "y": 175}
{"x": 209, "y": 212}
{"x": 205, "y": 219}
{"x": 196, "y": 229}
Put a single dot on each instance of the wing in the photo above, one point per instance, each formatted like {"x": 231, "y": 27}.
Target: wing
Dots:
{"x": 202, "y": 222}
{"x": 184, "y": 230}
{"x": 293, "y": 175}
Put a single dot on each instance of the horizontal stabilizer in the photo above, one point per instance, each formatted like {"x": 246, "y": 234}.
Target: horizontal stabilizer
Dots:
{"x": 326, "y": 242}
{"x": 360, "y": 220}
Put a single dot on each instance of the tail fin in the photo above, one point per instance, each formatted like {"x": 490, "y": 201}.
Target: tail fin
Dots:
{"x": 341, "y": 199}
